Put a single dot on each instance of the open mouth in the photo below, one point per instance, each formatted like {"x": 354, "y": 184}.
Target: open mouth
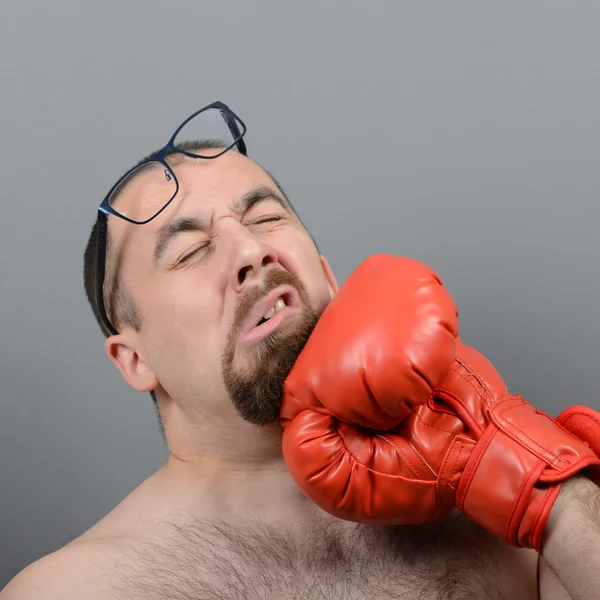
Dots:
{"x": 279, "y": 304}
{"x": 270, "y": 314}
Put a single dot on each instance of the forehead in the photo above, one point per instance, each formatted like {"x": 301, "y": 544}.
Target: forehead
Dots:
{"x": 204, "y": 185}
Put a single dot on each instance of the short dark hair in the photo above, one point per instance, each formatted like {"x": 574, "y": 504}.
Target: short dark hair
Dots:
{"x": 118, "y": 301}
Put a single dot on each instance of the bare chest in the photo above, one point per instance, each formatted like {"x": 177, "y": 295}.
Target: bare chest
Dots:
{"x": 452, "y": 560}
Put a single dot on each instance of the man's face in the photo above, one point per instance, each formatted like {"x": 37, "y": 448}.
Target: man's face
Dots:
{"x": 231, "y": 253}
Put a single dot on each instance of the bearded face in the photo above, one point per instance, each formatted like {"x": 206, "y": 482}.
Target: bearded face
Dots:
{"x": 256, "y": 387}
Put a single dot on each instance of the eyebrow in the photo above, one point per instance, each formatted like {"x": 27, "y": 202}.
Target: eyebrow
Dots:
{"x": 170, "y": 230}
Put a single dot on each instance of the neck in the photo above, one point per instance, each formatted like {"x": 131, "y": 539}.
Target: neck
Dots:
{"x": 199, "y": 436}
{"x": 223, "y": 467}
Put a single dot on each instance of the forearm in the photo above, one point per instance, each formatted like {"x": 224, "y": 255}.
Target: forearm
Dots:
{"x": 572, "y": 541}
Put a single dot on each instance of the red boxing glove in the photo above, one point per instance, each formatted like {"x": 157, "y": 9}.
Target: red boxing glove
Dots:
{"x": 469, "y": 443}
{"x": 385, "y": 341}
{"x": 388, "y": 338}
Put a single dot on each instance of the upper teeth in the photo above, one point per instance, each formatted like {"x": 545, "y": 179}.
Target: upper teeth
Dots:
{"x": 276, "y": 307}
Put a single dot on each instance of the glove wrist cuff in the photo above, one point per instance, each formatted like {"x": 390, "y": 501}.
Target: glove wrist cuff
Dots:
{"x": 513, "y": 475}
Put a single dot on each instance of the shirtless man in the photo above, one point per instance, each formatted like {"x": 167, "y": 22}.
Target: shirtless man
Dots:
{"x": 196, "y": 249}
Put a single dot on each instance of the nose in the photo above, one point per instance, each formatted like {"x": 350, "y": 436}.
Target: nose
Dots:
{"x": 252, "y": 257}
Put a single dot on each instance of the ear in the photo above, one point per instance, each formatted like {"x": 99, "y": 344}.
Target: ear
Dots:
{"x": 122, "y": 349}
{"x": 331, "y": 280}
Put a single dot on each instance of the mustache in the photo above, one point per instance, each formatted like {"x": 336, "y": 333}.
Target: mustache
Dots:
{"x": 252, "y": 295}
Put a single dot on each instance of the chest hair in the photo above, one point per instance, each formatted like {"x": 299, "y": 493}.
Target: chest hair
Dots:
{"x": 198, "y": 559}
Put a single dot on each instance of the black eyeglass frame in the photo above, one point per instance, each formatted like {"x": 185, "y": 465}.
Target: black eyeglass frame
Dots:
{"x": 105, "y": 209}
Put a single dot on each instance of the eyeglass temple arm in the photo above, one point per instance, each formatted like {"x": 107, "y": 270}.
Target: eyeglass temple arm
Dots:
{"x": 235, "y": 132}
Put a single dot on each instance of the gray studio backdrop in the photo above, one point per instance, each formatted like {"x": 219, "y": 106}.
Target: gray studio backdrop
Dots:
{"x": 466, "y": 135}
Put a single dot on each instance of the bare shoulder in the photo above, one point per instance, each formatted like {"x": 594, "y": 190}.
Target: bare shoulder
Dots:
{"x": 84, "y": 568}
{"x": 71, "y": 572}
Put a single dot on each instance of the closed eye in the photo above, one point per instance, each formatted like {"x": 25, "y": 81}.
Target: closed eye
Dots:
{"x": 190, "y": 255}
{"x": 267, "y": 219}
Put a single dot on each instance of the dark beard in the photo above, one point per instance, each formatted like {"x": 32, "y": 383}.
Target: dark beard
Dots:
{"x": 256, "y": 392}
